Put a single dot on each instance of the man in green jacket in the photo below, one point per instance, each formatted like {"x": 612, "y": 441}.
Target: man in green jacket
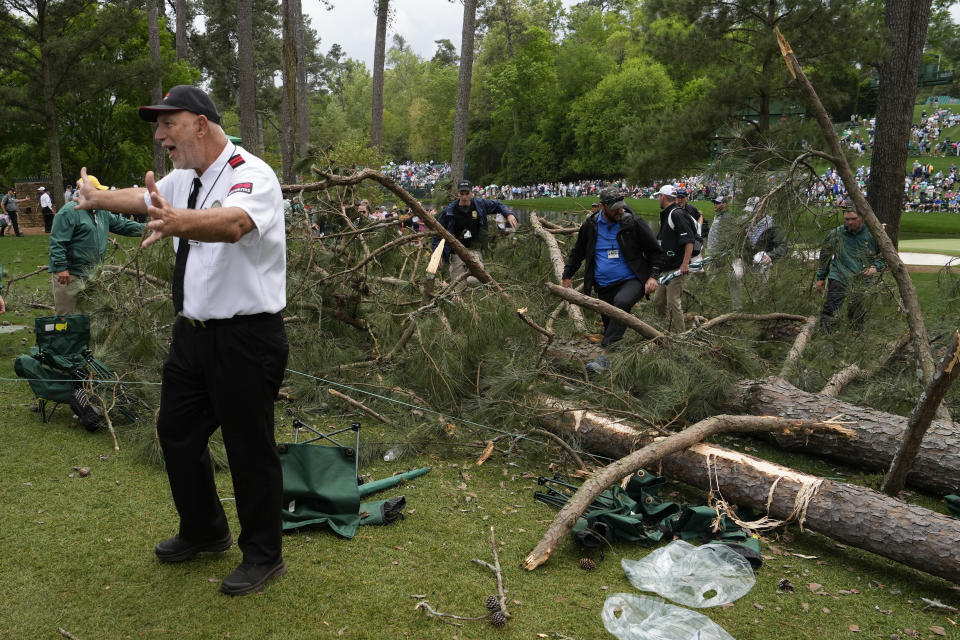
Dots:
{"x": 849, "y": 258}
{"x": 78, "y": 241}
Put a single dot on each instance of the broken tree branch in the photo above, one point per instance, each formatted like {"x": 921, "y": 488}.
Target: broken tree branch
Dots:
{"x": 848, "y": 374}
{"x": 358, "y": 405}
{"x": 921, "y": 417}
{"x": 621, "y": 316}
{"x": 567, "y": 517}
{"x": 751, "y": 317}
{"x": 556, "y": 259}
{"x": 803, "y": 338}
{"x": 908, "y": 292}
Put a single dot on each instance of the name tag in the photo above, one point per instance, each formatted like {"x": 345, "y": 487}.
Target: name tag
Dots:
{"x": 613, "y": 254}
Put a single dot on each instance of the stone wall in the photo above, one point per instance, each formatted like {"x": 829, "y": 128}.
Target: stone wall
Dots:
{"x": 30, "y": 215}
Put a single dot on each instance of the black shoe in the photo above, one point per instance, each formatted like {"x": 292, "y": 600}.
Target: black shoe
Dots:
{"x": 250, "y": 577}
{"x": 178, "y": 549}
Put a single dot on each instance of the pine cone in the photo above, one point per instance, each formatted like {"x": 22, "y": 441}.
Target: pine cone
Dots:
{"x": 493, "y": 603}
{"x": 497, "y": 619}
{"x": 587, "y": 564}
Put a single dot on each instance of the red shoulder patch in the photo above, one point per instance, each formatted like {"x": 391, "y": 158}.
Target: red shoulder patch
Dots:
{"x": 236, "y": 160}
{"x": 241, "y": 187}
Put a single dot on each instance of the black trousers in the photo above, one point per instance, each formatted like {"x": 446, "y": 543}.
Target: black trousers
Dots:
{"x": 837, "y": 292}
{"x": 14, "y": 221}
{"x": 47, "y": 219}
{"x": 622, "y": 295}
{"x": 228, "y": 376}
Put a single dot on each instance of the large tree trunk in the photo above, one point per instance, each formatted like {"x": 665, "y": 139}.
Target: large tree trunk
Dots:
{"x": 937, "y": 466}
{"x": 379, "y": 53}
{"x": 181, "y": 30}
{"x": 906, "y": 23}
{"x": 458, "y": 161}
{"x": 288, "y": 98}
{"x": 248, "y": 85}
{"x": 53, "y": 136}
{"x": 303, "y": 115}
{"x": 853, "y": 515}
{"x": 156, "y": 91}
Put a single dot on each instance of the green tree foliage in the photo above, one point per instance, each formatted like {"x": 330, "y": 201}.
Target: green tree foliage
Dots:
{"x": 100, "y": 72}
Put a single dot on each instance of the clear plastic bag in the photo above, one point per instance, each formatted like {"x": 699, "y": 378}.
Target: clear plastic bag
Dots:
{"x": 705, "y": 576}
{"x": 631, "y": 617}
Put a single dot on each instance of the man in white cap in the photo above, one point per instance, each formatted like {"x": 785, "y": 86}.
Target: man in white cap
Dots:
{"x": 229, "y": 349}
{"x": 46, "y": 208}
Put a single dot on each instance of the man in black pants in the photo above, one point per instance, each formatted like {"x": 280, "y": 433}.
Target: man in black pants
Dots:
{"x": 623, "y": 258}
{"x": 11, "y": 204}
{"x": 229, "y": 349}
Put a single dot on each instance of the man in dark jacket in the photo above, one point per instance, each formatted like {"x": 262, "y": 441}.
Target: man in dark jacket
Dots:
{"x": 677, "y": 235}
{"x": 622, "y": 256}
{"x": 466, "y": 219}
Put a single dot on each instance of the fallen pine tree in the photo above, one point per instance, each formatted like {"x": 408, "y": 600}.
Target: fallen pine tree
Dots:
{"x": 847, "y": 513}
{"x": 936, "y": 468}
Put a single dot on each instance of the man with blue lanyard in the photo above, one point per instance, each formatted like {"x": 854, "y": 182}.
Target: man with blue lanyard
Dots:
{"x": 466, "y": 219}
{"x": 622, "y": 255}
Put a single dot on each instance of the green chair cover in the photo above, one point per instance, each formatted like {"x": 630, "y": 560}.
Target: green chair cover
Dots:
{"x": 320, "y": 487}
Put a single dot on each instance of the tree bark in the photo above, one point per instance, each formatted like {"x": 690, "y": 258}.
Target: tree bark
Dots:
{"x": 836, "y": 157}
{"x": 621, "y": 316}
{"x": 181, "y": 30}
{"x": 50, "y": 113}
{"x": 459, "y": 156}
{"x": 379, "y": 54}
{"x": 921, "y": 418}
{"x": 905, "y": 22}
{"x": 556, "y": 259}
{"x": 248, "y": 85}
{"x": 288, "y": 98}
{"x": 853, "y": 515}
{"x": 937, "y": 466}
{"x": 154, "y": 8}
{"x": 302, "y": 108}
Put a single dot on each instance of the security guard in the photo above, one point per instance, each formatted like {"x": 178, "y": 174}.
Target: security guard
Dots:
{"x": 466, "y": 219}
{"x": 229, "y": 349}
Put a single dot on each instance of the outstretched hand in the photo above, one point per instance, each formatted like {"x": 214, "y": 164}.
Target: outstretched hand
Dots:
{"x": 159, "y": 211}
{"x": 86, "y": 192}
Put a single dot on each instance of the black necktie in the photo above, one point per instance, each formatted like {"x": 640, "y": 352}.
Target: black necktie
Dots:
{"x": 183, "y": 248}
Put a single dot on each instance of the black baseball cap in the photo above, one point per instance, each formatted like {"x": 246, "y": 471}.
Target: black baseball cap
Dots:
{"x": 183, "y": 97}
{"x": 465, "y": 185}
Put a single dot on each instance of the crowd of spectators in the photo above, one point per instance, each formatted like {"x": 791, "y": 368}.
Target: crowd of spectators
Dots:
{"x": 699, "y": 187}
{"x": 925, "y": 189}
{"x": 417, "y": 175}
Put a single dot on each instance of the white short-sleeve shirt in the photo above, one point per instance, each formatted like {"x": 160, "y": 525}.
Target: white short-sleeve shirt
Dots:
{"x": 224, "y": 279}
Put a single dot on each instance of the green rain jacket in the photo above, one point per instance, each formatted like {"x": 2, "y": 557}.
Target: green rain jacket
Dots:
{"x": 844, "y": 255}
{"x": 78, "y": 239}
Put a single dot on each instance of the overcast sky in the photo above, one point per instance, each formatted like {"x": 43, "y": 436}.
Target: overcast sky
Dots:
{"x": 352, "y": 24}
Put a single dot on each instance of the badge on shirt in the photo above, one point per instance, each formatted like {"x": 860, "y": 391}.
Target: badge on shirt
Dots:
{"x": 216, "y": 203}
{"x": 474, "y": 214}
{"x": 613, "y": 254}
